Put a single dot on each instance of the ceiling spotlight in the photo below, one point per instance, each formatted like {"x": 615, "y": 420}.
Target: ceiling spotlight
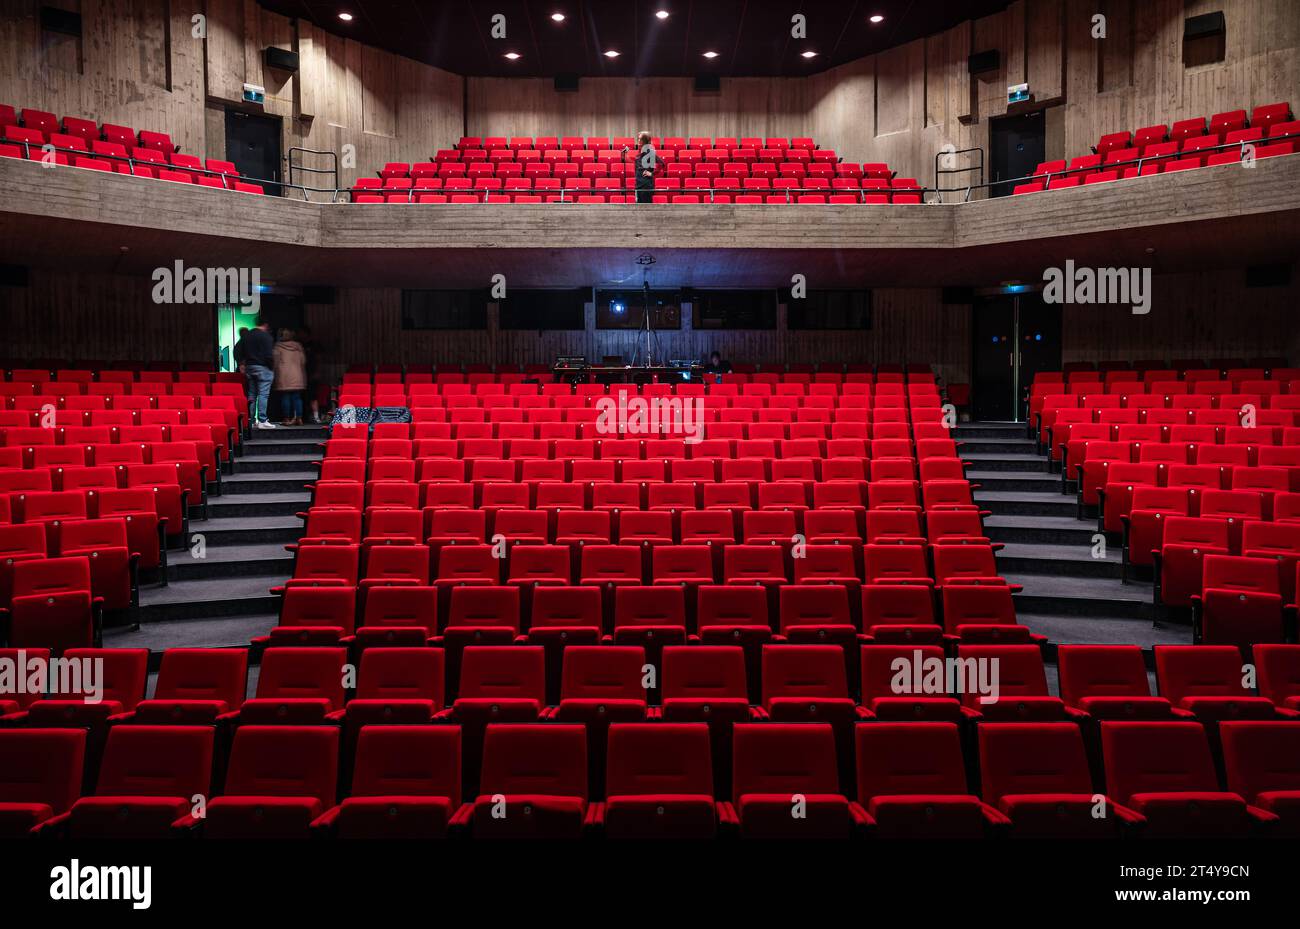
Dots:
{"x": 611, "y": 54}
{"x": 513, "y": 56}
{"x": 558, "y": 17}
{"x": 346, "y": 17}
{"x": 877, "y": 18}
{"x": 809, "y": 54}
{"x": 710, "y": 54}
{"x": 662, "y": 14}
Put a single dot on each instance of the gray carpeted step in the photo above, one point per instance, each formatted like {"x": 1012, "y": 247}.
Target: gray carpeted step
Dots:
{"x": 1050, "y": 530}
{"x": 276, "y": 464}
{"x": 1092, "y": 630}
{"x": 232, "y": 506}
{"x": 1082, "y": 596}
{"x": 987, "y": 463}
{"x": 248, "y": 530}
{"x": 210, "y": 597}
{"x": 1071, "y": 560}
{"x": 231, "y": 561}
{"x": 1026, "y": 503}
{"x": 1003, "y": 481}
{"x": 305, "y": 445}
{"x": 283, "y": 482}
{"x": 224, "y": 632}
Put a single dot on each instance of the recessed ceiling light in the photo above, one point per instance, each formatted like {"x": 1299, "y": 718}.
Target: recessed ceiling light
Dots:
{"x": 877, "y": 18}
{"x": 346, "y": 17}
{"x": 611, "y": 54}
{"x": 810, "y": 54}
{"x": 513, "y": 56}
{"x": 558, "y": 17}
{"x": 662, "y": 14}
{"x": 710, "y": 54}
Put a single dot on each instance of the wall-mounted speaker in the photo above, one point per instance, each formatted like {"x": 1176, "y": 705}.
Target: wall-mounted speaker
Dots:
{"x": 566, "y": 83}
{"x": 13, "y": 276}
{"x": 983, "y": 62}
{"x": 958, "y": 296}
{"x": 708, "y": 84}
{"x": 1274, "y": 275}
{"x": 318, "y": 294}
{"x": 1203, "y": 26}
{"x": 280, "y": 60}
{"x": 61, "y": 21}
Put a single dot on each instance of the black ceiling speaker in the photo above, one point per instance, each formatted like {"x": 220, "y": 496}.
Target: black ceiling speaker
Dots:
{"x": 317, "y": 294}
{"x": 708, "y": 84}
{"x": 1200, "y": 27}
{"x": 1274, "y": 275}
{"x": 981, "y": 62}
{"x": 281, "y": 60}
{"x": 62, "y": 21}
{"x": 13, "y": 276}
{"x": 566, "y": 83}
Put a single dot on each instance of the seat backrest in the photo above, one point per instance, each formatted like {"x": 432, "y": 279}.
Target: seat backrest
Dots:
{"x": 1032, "y": 758}
{"x": 534, "y": 759}
{"x": 475, "y": 605}
{"x": 42, "y": 766}
{"x": 284, "y": 761}
{"x": 909, "y": 758}
{"x": 704, "y": 671}
{"x": 156, "y": 761}
{"x": 659, "y": 758}
{"x": 603, "y": 672}
{"x": 1199, "y": 671}
{"x": 517, "y": 673}
{"x": 779, "y": 758}
{"x": 1101, "y": 671}
{"x": 1159, "y": 757}
{"x": 402, "y": 674}
{"x": 408, "y": 761}
{"x": 811, "y": 671}
{"x": 203, "y": 674}
{"x": 1260, "y": 756}
{"x": 290, "y": 672}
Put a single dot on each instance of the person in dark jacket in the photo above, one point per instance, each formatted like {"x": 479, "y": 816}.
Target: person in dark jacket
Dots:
{"x": 257, "y": 353}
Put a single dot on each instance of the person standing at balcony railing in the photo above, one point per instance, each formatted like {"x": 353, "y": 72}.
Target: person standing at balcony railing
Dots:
{"x": 647, "y": 163}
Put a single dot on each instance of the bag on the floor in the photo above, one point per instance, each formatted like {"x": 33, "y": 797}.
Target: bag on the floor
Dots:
{"x": 355, "y": 417}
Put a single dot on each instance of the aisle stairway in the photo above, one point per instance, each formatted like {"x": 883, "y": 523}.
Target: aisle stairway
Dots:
{"x": 1070, "y": 594}
{"x": 225, "y": 580}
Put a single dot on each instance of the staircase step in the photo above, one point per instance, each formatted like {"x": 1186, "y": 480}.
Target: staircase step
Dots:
{"x": 1065, "y": 595}
{"x": 1066, "y": 560}
{"x": 275, "y": 464}
{"x": 988, "y": 431}
{"x": 1025, "y": 503}
{"x": 990, "y": 463}
{"x": 1014, "y": 481}
{"x": 234, "y": 506}
{"x": 210, "y": 597}
{"x": 248, "y": 530}
{"x": 1075, "y": 630}
{"x": 273, "y": 482}
{"x": 230, "y": 561}
{"x": 1048, "y": 530}
{"x": 261, "y": 448}
{"x": 204, "y": 632}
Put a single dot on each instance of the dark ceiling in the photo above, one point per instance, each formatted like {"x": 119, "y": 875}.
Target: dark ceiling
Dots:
{"x": 750, "y": 37}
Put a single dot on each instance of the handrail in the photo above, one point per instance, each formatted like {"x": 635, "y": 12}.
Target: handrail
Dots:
{"x": 333, "y": 170}
{"x": 966, "y": 170}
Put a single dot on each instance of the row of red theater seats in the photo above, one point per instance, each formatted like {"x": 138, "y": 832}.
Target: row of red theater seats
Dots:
{"x": 1270, "y": 552}
{"x": 306, "y": 685}
{"x": 207, "y": 438}
{"x": 1202, "y": 146}
{"x": 668, "y": 143}
{"x": 332, "y": 563}
{"x": 623, "y": 449}
{"x": 1271, "y": 426}
{"x": 27, "y": 414}
{"x": 536, "y": 462}
{"x": 400, "y": 175}
{"x": 555, "y": 613}
{"x": 46, "y": 124}
{"x": 665, "y": 522}
{"x": 1177, "y": 366}
{"x": 741, "y": 373}
{"x": 1203, "y": 442}
{"x": 1264, "y": 117}
{"x": 787, "y": 197}
{"x": 153, "y": 168}
{"x": 118, "y": 375}
{"x": 458, "y": 161}
{"x": 728, "y": 425}
{"x": 26, "y": 497}
{"x": 1155, "y": 160}
{"x": 416, "y": 395}
{"x": 870, "y": 761}
{"x": 451, "y": 383}
{"x": 156, "y": 394}
{"x": 1266, "y": 470}
{"x": 303, "y": 799}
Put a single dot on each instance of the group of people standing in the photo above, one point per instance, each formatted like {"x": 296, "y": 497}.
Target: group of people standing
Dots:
{"x": 281, "y": 363}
